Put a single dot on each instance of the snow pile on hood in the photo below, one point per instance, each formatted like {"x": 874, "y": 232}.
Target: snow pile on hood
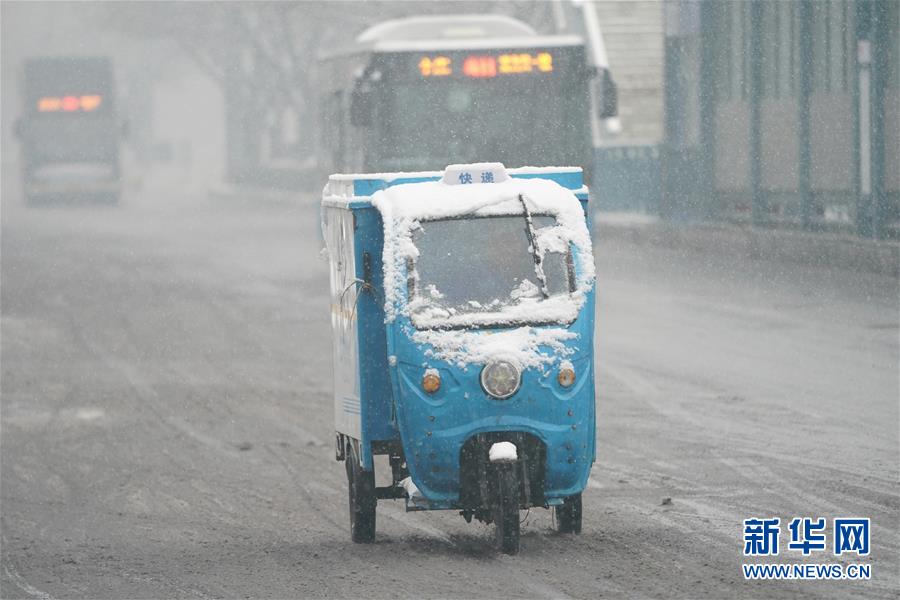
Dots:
{"x": 520, "y": 346}
{"x": 524, "y": 309}
{"x": 402, "y": 207}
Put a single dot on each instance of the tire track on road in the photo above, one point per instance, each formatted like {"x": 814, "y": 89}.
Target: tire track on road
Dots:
{"x": 12, "y": 575}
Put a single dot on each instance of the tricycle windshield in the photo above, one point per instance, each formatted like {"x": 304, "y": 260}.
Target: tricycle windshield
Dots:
{"x": 481, "y": 271}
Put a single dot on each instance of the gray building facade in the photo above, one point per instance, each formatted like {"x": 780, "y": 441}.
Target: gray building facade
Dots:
{"x": 784, "y": 113}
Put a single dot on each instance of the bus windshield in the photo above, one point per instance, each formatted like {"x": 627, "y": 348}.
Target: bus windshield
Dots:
{"x": 70, "y": 137}
{"x": 450, "y": 121}
{"x": 69, "y": 112}
{"x": 68, "y": 85}
{"x": 525, "y": 118}
{"x": 481, "y": 271}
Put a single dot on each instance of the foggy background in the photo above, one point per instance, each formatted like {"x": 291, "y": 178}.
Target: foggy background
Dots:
{"x": 217, "y": 92}
{"x": 748, "y": 112}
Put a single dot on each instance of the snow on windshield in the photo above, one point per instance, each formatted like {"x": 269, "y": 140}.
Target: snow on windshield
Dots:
{"x": 453, "y": 290}
{"x": 476, "y": 269}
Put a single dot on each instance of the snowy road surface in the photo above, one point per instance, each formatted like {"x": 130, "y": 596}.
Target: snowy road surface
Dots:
{"x": 167, "y": 426}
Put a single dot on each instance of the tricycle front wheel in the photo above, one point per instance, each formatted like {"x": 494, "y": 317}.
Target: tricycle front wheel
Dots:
{"x": 361, "y": 486}
{"x": 568, "y": 516}
{"x": 506, "y": 510}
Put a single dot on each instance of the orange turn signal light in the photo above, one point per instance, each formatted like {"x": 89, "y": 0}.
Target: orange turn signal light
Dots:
{"x": 566, "y": 377}
{"x": 431, "y": 382}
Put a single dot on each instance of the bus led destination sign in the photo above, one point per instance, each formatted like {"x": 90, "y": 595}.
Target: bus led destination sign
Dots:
{"x": 481, "y": 66}
{"x": 85, "y": 103}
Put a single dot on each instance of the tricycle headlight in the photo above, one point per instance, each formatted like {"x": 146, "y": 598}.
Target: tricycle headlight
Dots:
{"x": 501, "y": 379}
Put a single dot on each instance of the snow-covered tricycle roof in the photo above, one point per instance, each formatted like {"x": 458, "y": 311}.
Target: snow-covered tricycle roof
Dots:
{"x": 356, "y": 189}
{"x": 407, "y": 200}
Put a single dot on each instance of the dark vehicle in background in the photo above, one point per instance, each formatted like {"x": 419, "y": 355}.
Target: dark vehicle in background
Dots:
{"x": 69, "y": 130}
{"x": 420, "y": 93}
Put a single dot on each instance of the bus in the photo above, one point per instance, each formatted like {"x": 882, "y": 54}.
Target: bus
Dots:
{"x": 69, "y": 131}
{"x": 420, "y": 93}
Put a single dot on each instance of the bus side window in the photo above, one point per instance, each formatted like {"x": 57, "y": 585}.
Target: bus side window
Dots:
{"x": 609, "y": 95}
{"x": 338, "y": 143}
{"x": 361, "y": 104}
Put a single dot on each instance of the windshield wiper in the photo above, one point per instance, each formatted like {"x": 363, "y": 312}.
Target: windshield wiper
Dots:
{"x": 538, "y": 266}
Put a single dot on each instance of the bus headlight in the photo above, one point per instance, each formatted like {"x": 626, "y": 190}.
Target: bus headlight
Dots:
{"x": 501, "y": 379}
{"x": 431, "y": 381}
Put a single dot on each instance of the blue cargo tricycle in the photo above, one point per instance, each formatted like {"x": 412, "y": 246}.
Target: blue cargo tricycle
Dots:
{"x": 462, "y": 306}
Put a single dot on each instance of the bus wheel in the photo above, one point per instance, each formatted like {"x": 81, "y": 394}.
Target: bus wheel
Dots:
{"x": 568, "y": 516}
{"x": 361, "y": 485}
{"x": 506, "y": 509}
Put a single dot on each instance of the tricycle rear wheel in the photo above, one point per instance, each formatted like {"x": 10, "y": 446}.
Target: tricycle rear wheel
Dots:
{"x": 568, "y": 516}
{"x": 506, "y": 509}
{"x": 361, "y": 485}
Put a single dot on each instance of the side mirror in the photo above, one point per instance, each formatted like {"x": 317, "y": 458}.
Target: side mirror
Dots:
{"x": 125, "y": 130}
{"x": 607, "y": 96}
{"x": 18, "y": 128}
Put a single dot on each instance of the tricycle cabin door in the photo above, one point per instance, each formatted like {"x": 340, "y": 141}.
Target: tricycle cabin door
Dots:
{"x": 338, "y": 229}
